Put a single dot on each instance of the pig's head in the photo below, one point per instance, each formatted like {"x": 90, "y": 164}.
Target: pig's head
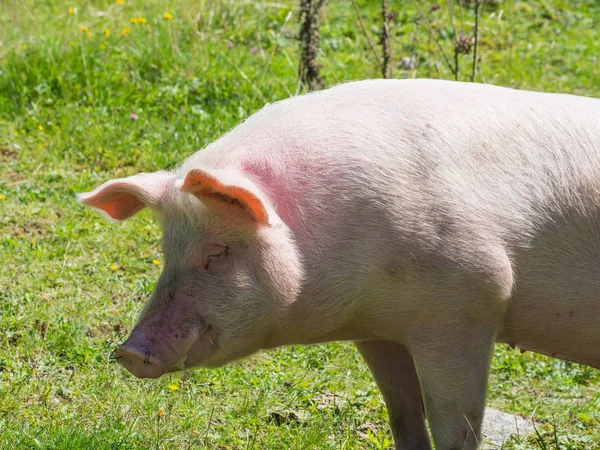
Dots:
{"x": 231, "y": 268}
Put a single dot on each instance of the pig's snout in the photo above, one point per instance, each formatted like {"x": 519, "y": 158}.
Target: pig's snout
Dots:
{"x": 140, "y": 363}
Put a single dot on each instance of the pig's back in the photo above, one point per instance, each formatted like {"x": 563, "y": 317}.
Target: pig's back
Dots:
{"x": 421, "y": 150}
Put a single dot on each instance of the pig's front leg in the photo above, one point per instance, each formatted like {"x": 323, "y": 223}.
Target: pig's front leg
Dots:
{"x": 394, "y": 371}
{"x": 453, "y": 362}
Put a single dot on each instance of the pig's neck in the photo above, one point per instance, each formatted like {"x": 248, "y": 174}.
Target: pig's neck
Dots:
{"x": 334, "y": 301}
{"x": 333, "y": 238}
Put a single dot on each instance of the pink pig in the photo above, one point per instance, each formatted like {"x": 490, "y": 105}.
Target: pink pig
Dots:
{"x": 424, "y": 220}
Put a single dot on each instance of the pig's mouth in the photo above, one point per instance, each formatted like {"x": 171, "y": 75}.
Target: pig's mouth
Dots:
{"x": 148, "y": 357}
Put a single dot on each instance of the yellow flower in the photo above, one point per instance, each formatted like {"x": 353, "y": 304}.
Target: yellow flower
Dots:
{"x": 173, "y": 387}
{"x": 125, "y": 31}
{"x": 84, "y": 29}
{"x": 113, "y": 267}
{"x": 24, "y": 47}
{"x": 156, "y": 262}
{"x": 89, "y": 34}
{"x": 168, "y": 15}
{"x": 142, "y": 20}
{"x": 2, "y": 197}
{"x": 72, "y": 10}
{"x": 133, "y": 20}
{"x": 32, "y": 242}
{"x": 41, "y": 127}
{"x": 120, "y": 2}
{"x": 72, "y": 43}
{"x": 161, "y": 412}
{"x": 107, "y": 32}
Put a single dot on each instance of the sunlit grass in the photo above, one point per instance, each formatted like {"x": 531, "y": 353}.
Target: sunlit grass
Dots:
{"x": 95, "y": 90}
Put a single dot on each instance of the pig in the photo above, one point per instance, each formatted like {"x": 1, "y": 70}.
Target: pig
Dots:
{"x": 423, "y": 220}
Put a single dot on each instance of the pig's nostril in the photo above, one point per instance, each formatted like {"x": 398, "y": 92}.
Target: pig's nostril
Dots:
{"x": 140, "y": 364}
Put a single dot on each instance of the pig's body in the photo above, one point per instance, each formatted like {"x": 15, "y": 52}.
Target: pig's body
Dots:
{"x": 383, "y": 182}
{"x": 430, "y": 219}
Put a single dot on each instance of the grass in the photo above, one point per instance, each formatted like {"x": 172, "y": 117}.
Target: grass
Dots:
{"x": 80, "y": 105}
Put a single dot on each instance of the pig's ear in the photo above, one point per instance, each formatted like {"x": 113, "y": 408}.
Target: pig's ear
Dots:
{"x": 123, "y": 197}
{"x": 223, "y": 189}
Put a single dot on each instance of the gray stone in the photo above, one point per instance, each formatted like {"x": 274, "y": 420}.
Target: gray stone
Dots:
{"x": 498, "y": 426}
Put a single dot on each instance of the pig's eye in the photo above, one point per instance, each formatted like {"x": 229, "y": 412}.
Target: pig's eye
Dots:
{"x": 215, "y": 256}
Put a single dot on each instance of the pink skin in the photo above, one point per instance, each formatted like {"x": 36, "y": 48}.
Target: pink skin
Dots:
{"x": 425, "y": 220}
{"x": 155, "y": 345}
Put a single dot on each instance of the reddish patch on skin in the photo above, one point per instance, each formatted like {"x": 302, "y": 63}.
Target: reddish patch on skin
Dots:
{"x": 205, "y": 186}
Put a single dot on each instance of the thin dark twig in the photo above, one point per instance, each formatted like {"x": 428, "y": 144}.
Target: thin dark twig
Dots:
{"x": 476, "y": 33}
{"x": 456, "y": 61}
{"x": 364, "y": 31}
{"x": 209, "y": 421}
{"x": 386, "y": 40}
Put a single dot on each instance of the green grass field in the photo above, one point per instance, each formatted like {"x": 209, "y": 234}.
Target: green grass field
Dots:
{"x": 95, "y": 90}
